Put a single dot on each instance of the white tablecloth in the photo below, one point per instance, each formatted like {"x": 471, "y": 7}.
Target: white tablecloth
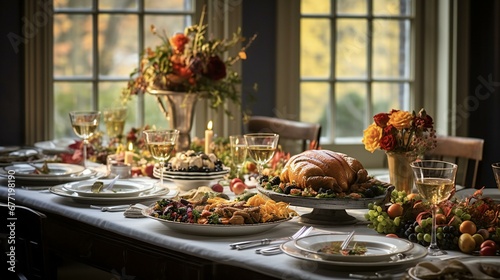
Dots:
{"x": 212, "y": 248}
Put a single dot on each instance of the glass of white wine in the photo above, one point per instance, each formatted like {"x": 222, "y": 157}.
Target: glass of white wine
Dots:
{"x": 238, "y": 146}
{"x": 161, "y": 143}
{"x": 261, "y": 147}
{"x": 84, "y": 125}
{"x": 435, "y": 182}
{"x": 114, "y": 119}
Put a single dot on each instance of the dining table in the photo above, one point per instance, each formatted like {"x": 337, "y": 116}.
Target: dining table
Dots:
{"x": 143, "y": 248}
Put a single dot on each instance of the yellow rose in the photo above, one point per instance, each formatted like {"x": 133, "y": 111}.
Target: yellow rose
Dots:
{"x": 400, "y": 119}
{"x": 371, "y": 137}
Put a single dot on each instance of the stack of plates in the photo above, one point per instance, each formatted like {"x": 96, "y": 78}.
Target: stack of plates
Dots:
{"x": 192, "y": 180}
{"x": 59, "y": 173}
{"x": 122, "y": 191}
{"x": 381, "y": 250}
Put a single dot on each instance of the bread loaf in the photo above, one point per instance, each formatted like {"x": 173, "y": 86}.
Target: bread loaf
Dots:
{"x": 323, "y": 169}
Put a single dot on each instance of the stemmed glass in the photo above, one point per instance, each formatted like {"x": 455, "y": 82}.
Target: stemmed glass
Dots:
{"x": 84, "y": 125}
{"x": 114, "y": 119}
{"x": 435, "y": 182}
{"x": 261, "y": 147}
{"x": 160, "y": 144}
{"x": 238, "y": 151}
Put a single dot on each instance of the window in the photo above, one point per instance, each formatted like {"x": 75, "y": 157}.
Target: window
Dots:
{"x": 354, "y": 62}
{"x": 97, "y": 43}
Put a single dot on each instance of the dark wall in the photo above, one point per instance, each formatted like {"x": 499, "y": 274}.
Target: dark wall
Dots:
{"x": 11, "y": 75}
{"x": 484, "y": 84}
{"x": 259, "y": 17}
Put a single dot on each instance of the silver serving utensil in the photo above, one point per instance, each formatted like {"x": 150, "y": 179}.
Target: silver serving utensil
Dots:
{"x": 259, "y": 242}
{"x": 115, "y": 208}
{"x": 276, "y": 249}
{"x": 346, "y": 242}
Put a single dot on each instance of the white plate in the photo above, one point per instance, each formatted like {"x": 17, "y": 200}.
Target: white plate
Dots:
{"x": 40, "y": 181}
{"x": 56, "y": 145}
{"x": 186, "y": 185}
{"x": 415, "y": 254}
{"x": 493, "y": 193}
{"x": 467, "y": 261}
{"x": 181, "y": 173}
{"x": 215, "y": 230}
{"x": 147, "y": 195}
{"x": 121, "y": 188}
{"x": 182, "y": 177}
{"x": 56, "y": 170}
{"x": 378, "y": 247}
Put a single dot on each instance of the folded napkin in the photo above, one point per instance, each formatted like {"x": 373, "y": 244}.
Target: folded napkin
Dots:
{"x": 135, "y": 211}
{"x": 451, "y": 269}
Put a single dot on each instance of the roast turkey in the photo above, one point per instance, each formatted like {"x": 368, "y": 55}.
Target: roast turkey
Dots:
{"x": 323, "y": 169}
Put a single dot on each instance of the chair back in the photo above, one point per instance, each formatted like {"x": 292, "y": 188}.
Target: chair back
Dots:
{"x": 31, "y": 253}
{"x": 307, "y": 133}
{"x": 466, "y": 152}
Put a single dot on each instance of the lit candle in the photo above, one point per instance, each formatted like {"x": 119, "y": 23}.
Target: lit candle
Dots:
{"x": 209, "y": 135}
{"x": 129, "y": 155}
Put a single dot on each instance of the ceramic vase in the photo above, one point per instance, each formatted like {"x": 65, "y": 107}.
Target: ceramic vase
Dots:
{"x": 400, "y": 172}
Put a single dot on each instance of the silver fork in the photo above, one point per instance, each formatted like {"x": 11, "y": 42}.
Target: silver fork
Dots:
{"x": 266, "y": 241}
{"x": 276, "y": 249}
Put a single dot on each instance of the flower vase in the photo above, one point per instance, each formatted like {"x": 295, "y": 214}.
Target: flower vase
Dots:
{"x": 178, "y": 108}
{"x": 400, "y": 172}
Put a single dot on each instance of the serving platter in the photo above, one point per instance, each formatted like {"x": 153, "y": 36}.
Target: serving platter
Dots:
{"x": 214, "y": 229}
{"x": 193, "y": 173}
{"x": 414, "y": 255}
{"x": 153, "y": 193}
{"x": 378, "y": 248}
{"x": 328, "y": 211}
{"x": 121, "y": 188}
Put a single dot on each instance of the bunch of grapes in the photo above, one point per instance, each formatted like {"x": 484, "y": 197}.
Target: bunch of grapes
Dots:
{"x": 380, "y": 220}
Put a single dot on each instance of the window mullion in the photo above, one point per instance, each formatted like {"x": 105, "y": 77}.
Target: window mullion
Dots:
{"x": 95, "y": 55}
{"x": 333, "y": 77}
{"x": 369, "y": 64}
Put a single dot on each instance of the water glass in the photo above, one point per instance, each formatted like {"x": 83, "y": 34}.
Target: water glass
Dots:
{"x": 238, "y": 151}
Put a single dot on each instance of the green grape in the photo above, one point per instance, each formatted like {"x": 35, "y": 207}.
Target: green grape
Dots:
{"x": 439, "y": 229}
{"x": 458, "y": 212}
{"x": 423, "y": 223}
{"x": 370, "y": 205}
{"x": 380, "y": 218}
{"x": 380, "y": 228}
{"x": 420, "y": 236}
{"x": 373, "y": 213}
{"x": 465, "y": 217}
{"x": 427, "y": 237}
{"x": 367, "y": 216}
{"x": 397, "y": 221}
{"x": 379, "y": 209}
{"x": 439, "y": 235}
{"x": 418, "y": 229}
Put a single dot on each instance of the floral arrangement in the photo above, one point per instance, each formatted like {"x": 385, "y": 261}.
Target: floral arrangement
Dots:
{"x": 190, "y": 62}
{"x": 401, "y": 132}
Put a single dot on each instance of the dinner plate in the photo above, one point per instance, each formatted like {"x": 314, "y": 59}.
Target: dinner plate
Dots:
{"x": 493, "y": 193}
{"x": 121, "y": 188}
{"x": 21, "y": 155}
{"x": 378, "y": 247}
{"x": 184, "y": 173}
{"x": 215, "y": 230}
{"x": 55, "y": 170}
{"x": 413, "y": 255}
{"x": 41, "y": 181}
{"x": 467, "y": 261}
{"x": 153, "y": 193}
{"x": 55, "y": 146}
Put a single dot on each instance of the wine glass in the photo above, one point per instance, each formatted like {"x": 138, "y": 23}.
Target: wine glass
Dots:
{"x": 261, "y": 147}
{"x": 84, "y": 125}
{"x": 435, "y": 182}
{"x": 238, "y": 151}
{"x": 114, "y": 119}
{"x": 160, "y": 144}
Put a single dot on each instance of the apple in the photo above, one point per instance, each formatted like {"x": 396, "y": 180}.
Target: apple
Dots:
{"x": 234, "y": 181}
{"x": 239, "y": 188}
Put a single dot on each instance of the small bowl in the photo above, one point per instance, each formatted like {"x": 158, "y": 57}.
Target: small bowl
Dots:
{"x": 189, "y": 184}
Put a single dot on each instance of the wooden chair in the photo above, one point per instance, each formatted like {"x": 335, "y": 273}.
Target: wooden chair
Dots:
{"x": 307, "y": 133}
{"x": 462, "y": 151}
{"x": 31, "y": 252}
